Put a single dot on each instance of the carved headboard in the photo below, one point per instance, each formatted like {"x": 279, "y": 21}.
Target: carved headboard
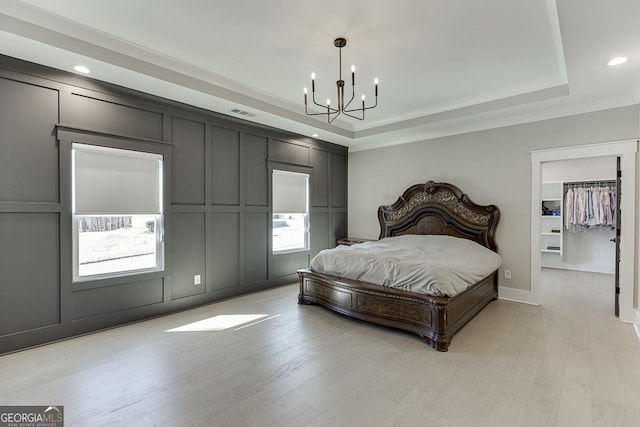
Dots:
{"x": 439, "y": 208}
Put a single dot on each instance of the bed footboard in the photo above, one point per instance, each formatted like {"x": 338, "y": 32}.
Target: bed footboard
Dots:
{"x": 435, "y": 319}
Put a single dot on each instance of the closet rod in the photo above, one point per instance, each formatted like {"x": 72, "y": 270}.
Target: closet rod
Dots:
{"x": 605, "y": 182}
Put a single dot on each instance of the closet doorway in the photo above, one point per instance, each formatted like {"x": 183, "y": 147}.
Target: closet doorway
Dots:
{"x": 578, "y": 227}
{"x": 626, "y": 150}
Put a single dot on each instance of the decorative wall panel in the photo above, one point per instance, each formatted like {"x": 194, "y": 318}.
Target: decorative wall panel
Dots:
{"x": 225, "y": 161}
{"x": 188, "y": 174}
{"x": 188, "y": 254}
{"x": 29, "y": 271}
{"x": 28, "y": 147}
{"x": 225, "y": 259}
{"x": 114, "y": 118}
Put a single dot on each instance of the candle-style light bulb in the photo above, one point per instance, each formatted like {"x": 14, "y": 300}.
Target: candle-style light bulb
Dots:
{"x": 313, "y": 83}
{"x": 353, "y": 75}
{"x": 305, "y": 96}
{"x": 328, "y": 102}
{"x": 375, "y": 82}
{"x": 363, "y": 102}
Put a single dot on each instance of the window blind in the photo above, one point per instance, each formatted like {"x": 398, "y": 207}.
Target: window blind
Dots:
{"x": 290, "y": 192}
{"x": 114, "y": 181}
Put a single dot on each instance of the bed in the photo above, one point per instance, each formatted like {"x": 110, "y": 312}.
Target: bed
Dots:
{"x": 433, "y": 208}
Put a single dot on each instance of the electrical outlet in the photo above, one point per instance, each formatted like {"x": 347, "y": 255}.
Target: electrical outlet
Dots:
{"x": 507, "y": 274}
{"x": 196, "y": 280}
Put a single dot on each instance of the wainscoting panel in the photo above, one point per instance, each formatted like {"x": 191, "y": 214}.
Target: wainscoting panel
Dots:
{"x": 320, "y": 179}
{"x": 225, "y": 257}
{"x": 288, "y": 152}
{"x": 29, "y": 271}
{"x": 288, "y": 264}
{"x": 188, "y": 254}
{"x": 110, "y": 299}
{"x": 225, "y": 161}
{"x": 339, "y": 224}
{"x": 320, "y": 232}
{"x": 28, "y": 148}
{"x": 256, "y": 246}
{"x": 338, "y": 181}
{"x": 188, "y": 176}
{"x": 255, "y": 169}
{"x": 114, "y": 118}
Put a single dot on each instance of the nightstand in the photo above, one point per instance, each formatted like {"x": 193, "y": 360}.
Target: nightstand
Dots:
{"x": 348, "y": 241}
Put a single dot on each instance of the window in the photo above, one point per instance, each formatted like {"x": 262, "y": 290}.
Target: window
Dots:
{"x": 290, "y": 224}
{"x": 117, "y": 212}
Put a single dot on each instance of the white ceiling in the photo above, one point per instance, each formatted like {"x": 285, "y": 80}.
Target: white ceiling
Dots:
{"x": 445, "y": 67}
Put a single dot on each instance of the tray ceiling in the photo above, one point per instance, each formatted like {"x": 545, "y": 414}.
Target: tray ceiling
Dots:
{"x": 445, "y": 67}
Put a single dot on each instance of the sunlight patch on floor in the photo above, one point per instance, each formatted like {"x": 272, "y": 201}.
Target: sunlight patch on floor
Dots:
{"x": 220, "y": 322}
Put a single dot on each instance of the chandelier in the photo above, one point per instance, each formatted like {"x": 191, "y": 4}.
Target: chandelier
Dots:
{"x": 341, "y": 108}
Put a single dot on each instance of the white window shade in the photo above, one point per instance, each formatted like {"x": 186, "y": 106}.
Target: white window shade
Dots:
{"x": 114, "y": 181}
{"x": 290, "y": 192}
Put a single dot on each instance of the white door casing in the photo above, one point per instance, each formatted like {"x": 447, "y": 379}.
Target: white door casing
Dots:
{"x": 627, "y": 152}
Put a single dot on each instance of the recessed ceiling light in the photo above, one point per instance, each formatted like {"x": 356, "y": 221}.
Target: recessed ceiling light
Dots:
{"x": 81, "y": 69}
{"x": 315, "y": 135}
{"x": 617, "y": 61}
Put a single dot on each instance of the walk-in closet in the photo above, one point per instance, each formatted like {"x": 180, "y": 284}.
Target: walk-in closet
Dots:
{"x": 578, "y": 227}
{"x": 578, "y": 210}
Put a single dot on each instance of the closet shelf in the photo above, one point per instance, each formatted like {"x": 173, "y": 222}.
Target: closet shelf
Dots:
{"x": 552, "y": 251}
{"x": 550, "y": 241}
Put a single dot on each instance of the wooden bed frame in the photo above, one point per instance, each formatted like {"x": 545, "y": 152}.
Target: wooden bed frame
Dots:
{"x": 431, "y": 208}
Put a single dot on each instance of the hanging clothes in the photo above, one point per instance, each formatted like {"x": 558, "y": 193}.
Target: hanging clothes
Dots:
{"x": 590, "y": 205}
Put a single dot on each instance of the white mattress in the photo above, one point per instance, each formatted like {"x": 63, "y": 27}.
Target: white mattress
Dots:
{"x": 433, "y": 265}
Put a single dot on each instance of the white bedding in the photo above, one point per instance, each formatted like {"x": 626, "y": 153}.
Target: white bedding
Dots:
{"x": 433, "y": 265}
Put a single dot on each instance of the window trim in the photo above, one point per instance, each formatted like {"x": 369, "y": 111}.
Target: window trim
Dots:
{"x": 113, "y": 278}
{"x": 278, "y": 166}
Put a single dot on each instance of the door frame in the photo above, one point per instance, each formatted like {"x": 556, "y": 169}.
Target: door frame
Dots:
{"x": 626, "y": 150}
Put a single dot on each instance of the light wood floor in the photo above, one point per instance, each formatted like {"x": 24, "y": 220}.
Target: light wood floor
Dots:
{"x": 568, "y": 362}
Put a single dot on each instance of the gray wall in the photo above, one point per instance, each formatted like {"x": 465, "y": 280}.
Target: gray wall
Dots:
{"x": 491, "y": 166}
{"x": 217, "y": 203}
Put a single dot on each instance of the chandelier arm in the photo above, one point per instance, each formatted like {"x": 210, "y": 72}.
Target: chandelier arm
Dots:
{"x": 374, "y": 105}
{"x": 371, "y": 107}
{"x": 331, "y": 112}
{"x": 314, "y": 114}
{"x": 353, "y": 94}
{"x": 313, "y": 98}
{"x": 326, "y": 107}
{"x": 346, "y": 113}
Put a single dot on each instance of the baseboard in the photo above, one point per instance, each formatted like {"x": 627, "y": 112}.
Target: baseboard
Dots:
{"x": 517, "y": 295}
{"x": 636, "y": 323}
{"x": 579, "y": 268}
